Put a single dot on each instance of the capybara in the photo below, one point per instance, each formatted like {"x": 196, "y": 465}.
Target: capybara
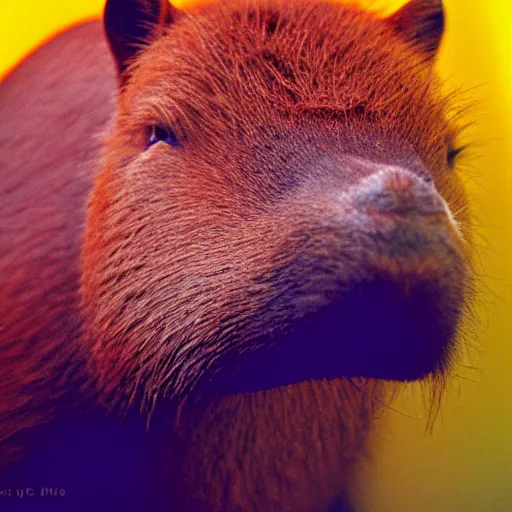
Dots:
{"x": 223, "y": 230}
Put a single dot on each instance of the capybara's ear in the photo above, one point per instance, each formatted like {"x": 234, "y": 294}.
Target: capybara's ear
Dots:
{"x": 131, "y": 24}
{"x": 420, "y": 23}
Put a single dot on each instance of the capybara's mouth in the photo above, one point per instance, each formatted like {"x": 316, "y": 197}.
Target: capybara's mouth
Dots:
{"x": 375, "y": 331}
{"x": 396, "y": 322}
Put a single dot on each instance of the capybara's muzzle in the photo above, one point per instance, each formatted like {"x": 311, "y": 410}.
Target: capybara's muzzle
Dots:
{"x": 373, "y": 287}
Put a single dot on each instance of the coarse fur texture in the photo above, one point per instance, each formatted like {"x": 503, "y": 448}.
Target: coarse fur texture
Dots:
{"x": 45, "y": 162}
{"x": 234, "y": 95}
{"x": 308, "y": 191}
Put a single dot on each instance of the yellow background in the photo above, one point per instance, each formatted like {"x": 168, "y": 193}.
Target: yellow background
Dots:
{"x": 466, "y": 463}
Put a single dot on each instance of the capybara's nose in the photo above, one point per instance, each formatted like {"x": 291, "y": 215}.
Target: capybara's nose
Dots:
{"x": 398, "y": 192}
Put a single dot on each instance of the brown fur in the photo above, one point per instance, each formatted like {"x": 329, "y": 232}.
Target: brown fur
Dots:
{"x": 221, "y": 92}
{"x": 45, "y": 181}
{"x": 181, "y": 243}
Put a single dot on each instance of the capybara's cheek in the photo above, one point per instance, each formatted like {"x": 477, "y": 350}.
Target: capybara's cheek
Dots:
{"x": 168, "y": 286}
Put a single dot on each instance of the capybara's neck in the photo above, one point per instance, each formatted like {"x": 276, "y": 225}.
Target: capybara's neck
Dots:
{"x": 287, "y": 449}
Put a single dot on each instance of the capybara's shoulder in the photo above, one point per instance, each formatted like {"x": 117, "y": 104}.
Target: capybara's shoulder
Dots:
{"x": 53, "y": 108}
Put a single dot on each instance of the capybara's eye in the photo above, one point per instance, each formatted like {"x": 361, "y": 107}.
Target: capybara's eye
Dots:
{"x": 452, "y": 155}
{"x": 161, "y": 134}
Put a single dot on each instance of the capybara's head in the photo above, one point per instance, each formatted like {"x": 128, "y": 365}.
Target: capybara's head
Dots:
{"x": 278, "y": 203}
{"x": 278, "y": 200}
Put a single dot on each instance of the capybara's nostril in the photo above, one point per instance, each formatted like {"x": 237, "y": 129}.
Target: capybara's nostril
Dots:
{"x": 397, "y": 191}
